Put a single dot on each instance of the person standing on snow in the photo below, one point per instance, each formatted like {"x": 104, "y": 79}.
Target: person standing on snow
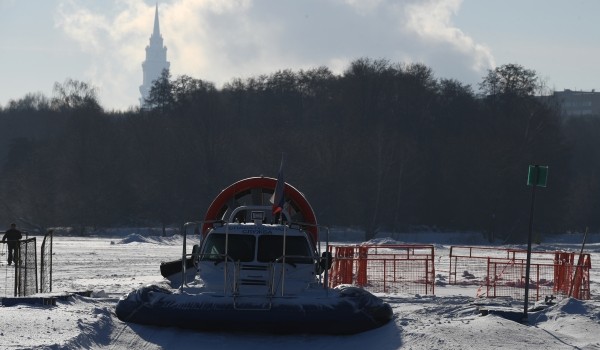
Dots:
{"x": 12, "y": 237}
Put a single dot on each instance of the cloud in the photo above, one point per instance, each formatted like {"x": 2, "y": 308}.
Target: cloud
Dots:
{"x": 431, "y": 20}
{"x": 218, "y": 40}
{"x": 113, "y": 41}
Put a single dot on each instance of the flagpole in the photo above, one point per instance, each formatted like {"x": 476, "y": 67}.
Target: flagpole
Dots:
{"x": 278, "y": 197}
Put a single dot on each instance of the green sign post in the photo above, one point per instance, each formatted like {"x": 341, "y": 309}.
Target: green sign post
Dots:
{"x": 537, "y": 177}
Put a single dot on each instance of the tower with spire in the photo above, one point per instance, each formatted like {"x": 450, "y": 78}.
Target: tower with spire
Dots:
{"x": 156, "y": 60}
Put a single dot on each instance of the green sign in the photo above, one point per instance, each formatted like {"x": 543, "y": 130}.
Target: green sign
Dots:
{"x": 539, "y": 172}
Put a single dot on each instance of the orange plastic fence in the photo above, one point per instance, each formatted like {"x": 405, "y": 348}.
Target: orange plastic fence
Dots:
{"x": 390, "y": 268}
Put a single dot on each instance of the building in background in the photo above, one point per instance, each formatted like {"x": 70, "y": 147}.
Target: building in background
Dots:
{"x": 577, "y": 103}
{"x": 156, "y": 60}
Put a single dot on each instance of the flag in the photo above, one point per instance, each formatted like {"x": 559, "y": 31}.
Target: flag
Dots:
{"x": 277, "y": 198}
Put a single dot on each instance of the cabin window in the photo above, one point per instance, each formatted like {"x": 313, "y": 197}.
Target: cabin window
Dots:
{"x": 297, "y": 249}
{"x": 240, "y": 247}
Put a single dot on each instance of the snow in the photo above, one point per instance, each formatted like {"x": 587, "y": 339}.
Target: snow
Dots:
{"x": 109, "y": 267}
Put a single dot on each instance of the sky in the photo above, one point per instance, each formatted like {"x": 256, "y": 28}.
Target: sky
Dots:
{"x": 102, "y": 43}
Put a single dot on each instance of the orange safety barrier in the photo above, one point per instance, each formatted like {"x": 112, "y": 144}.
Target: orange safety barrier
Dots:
{"x": 562, "y": 278}
{"x": 580, "y": 286}
{"x": 343, "y": 262}
{"x": 363, "y": 259}
{"x": 389, "y": 268}
{"x": 468, "y": 264}
{"x": 564, "y": 261}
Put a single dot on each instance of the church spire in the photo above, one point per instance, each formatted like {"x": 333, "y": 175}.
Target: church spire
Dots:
{"x": 156, "y": 31}
{"x": 156, "y": 60}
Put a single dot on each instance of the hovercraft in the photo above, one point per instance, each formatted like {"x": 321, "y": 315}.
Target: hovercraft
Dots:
{"x": 257, "y": 269}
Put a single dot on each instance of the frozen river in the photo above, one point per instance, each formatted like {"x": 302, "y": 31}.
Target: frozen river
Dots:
{"x": 111, "y": 267}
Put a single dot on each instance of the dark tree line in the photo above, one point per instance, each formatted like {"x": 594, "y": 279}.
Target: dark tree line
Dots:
{"x": 382, "y": 146}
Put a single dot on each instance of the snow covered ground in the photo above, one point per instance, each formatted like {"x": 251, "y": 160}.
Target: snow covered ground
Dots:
{"x": 110, "y": 267}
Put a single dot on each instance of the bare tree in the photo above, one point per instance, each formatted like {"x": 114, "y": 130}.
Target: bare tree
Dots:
{"x": 511, "y": 79}
{"x": 74, "y": 94}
